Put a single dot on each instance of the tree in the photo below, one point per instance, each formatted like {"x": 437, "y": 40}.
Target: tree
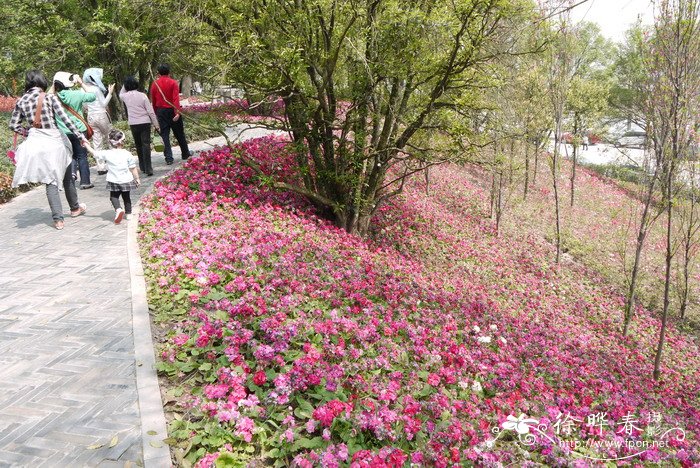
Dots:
{"x": 372, "y": 89}
{"x": 676, "y": 66}
{"x": 689, "y": 233}
{"x": 587, "y": 102}
{"x": 633, "y": 97}
{"x": 558, "y": 81}
{"x": 125, "y": 37}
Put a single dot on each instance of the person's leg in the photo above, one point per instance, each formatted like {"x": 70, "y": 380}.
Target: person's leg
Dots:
{"x": 146, "y": 148}
{"x": 80, "y": 155}
{"x": 179, "y": 131}
{"x": 127, "y": 202}
{"x": 100, "y": 127}
{"x": 165, "y": 118}
{"x": 136, "y": 133}
{"x": 114, "y": 198}
{"x": 55, "y": 200}
{"x": 74, "y": 163}
{"x": 69, "y": 189}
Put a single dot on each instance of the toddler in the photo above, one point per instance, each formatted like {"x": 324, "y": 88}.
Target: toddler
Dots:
{"x": 122, "y": 173}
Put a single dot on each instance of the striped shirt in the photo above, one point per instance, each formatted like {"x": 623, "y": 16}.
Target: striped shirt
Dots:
{"x": 26, "y": 108}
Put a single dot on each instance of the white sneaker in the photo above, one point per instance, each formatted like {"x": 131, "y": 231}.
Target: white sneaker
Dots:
{"x": 129, "y": 217}
{"x": 118, "y": 216}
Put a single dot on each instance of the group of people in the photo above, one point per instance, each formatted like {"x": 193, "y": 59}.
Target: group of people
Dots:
{"x": 57, "y": 135}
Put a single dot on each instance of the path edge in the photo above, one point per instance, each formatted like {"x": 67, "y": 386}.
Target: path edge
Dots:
{"x": 156, "y": 453}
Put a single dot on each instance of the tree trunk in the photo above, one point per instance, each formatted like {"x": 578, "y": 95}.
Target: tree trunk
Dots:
{"x": 667, "y": 288}
{"x": 555, "y": 183}
{"x": 641, "y": 237}
{"x": 686, "y": 278}
{"x": 499, "y": 202}
{"x": 537, "y": 160}
{"x": 186, "y": 86}
{"x": 527, "y": 170}
{"x": 573, "y": 159}
{"x": 631, "y": 292}
{"x": 667, "y": 277}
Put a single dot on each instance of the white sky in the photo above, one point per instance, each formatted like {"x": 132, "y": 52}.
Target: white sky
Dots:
{"x": 614, "y": 16}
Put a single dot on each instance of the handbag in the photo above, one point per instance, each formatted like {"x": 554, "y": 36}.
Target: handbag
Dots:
{"x": 11, "y": 153}
{"x": 158, "y": 147}
{"x": 89, "y": 132}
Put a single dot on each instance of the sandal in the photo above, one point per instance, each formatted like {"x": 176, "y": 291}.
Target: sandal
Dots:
{"x": 58, "y": 224}
{"x": 82, "y": 207}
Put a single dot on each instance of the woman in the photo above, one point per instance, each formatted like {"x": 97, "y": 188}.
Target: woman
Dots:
{"x": 140, "y": 116}
{"x": 97, "y": 115}
{"x": 73, "y": 101}
{"x": 45, "y": 156}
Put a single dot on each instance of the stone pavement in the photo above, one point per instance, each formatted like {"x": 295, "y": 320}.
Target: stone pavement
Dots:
{"x": 72, "y": 306}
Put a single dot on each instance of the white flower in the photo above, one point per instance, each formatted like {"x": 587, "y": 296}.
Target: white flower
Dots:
{"x": 476, "y": 386}
{"x": 484, "y": 339}
{"x": 493, "y": 327}
{"x": 521, "y": 424}
{"x": 503, "y": 340}
{"x": 476, "y": 329}
{"x": 463, "y": 384}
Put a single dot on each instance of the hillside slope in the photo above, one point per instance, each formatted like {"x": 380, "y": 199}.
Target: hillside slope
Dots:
{"x": 290, "y": 340}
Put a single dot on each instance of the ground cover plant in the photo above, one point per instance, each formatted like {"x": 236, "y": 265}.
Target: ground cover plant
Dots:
{"x": 437, "y": 342}
{"x": 600, "y": 230}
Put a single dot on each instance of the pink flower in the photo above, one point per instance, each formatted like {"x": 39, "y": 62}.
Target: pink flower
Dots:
{"x": 434, "y": 380}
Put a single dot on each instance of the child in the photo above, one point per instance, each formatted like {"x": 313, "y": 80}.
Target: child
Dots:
{"x": 122, "y": 173}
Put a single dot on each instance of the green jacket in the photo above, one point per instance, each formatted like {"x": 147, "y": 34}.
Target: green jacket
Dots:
{"x": 75, "y": 99}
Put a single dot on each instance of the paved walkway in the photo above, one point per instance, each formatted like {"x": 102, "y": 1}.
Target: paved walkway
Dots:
{"x": 77, "y": 386}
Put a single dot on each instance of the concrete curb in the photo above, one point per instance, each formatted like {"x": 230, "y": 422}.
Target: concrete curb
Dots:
{"x": 153, "y": 425}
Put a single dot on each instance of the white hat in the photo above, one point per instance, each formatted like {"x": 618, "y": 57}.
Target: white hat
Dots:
{"x": 65, "y": 78}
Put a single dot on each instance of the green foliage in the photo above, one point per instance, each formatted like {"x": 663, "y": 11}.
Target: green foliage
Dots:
{"x": 366, "y": 84}
{"x": 124, "y": 37}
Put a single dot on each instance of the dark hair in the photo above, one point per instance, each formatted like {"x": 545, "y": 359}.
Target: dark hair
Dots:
{"x": 163, "y": 69}
{"x": 115, "y": 134}
{"x": 35, "y": 79}
{"x": 58, "y": 86}
{"x": 130, "y": 83}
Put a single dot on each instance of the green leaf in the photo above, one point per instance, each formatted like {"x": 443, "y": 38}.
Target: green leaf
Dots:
{"x": 308, "y": 443}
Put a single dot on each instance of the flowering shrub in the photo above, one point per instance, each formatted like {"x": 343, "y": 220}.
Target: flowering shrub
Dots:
{"x": 240, "y": 110}
{"x": 7, "y": 103}
{"x": 290, "y": 341}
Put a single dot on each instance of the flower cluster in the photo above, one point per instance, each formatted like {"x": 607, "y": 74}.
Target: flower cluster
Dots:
{"x": 293, "y": 340}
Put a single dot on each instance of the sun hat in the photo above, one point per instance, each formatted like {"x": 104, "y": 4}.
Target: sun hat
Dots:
{"x": 65, "y": 78}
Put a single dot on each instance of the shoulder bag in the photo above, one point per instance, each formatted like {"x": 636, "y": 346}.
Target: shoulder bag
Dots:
{"x": 89, "y": 132}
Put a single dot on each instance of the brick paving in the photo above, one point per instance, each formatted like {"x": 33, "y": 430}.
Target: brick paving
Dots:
{"x": 67, "y": 357}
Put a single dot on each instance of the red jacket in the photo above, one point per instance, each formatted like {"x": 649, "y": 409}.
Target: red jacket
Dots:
{"x": 170, "y": 89}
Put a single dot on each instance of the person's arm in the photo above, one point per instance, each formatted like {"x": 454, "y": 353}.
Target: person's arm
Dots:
{"x": 95, "y": 154}
{"x": 176, "y": 99}
{"x": 151, "y": 114}
{"x": 110, "y": 91}
{"x": 16, "y": 121}
{"x": 61, "y": 114}
{"x": 122, "y": 92}
{"x": 135, "y": 172}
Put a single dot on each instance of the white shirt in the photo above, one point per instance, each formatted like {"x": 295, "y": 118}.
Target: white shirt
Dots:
{"x": 99, "y": 105}
{"x": 119, "y": 161}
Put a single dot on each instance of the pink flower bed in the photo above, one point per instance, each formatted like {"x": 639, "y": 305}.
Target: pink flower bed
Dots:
{"x": 293, "y": 342}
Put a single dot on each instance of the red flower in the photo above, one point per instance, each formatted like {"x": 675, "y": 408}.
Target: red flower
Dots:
{"x": 259, "y": 378}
